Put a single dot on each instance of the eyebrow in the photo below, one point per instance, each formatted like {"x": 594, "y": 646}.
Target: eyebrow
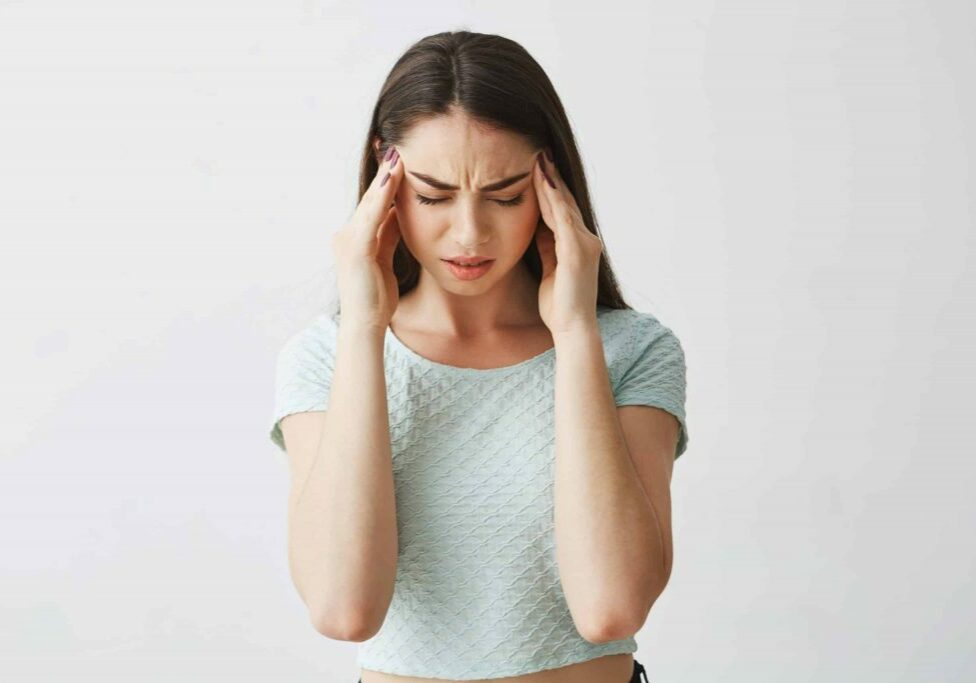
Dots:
{"x": 490, "y": 187}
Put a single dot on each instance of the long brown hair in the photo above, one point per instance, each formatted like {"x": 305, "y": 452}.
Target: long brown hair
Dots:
{"x": 496, "y": 82}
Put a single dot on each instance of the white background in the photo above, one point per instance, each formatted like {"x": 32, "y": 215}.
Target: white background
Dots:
{"x": 787, "y": 184}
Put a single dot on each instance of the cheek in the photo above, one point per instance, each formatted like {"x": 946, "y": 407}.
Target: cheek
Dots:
{"x": 415, "y": 228}
{"x": 525, "y": 223}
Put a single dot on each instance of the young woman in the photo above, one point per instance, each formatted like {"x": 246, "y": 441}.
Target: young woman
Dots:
{"x": 482, "y": 436}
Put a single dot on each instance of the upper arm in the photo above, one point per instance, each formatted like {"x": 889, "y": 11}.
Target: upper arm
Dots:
{"x": 301, "y": 433}
{"x": 649, "y": 386}
{"x": 654, "y": 374}
{"x": 302, "y": 384}
{"x": 651, "y": 435}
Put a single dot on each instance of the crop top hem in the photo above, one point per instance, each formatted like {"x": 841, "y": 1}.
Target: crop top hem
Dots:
{"x": 616, "y": 647}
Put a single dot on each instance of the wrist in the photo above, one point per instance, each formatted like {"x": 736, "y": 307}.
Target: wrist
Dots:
{"x": 361, "y": 330}
{"x": 580, "y": 332}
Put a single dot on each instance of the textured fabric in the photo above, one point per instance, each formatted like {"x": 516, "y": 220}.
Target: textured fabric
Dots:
{"x": 639, "y": 674}
{"x": 477, "y": 591}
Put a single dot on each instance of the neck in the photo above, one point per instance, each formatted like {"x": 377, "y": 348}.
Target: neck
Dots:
{"x": 512, "y": 301}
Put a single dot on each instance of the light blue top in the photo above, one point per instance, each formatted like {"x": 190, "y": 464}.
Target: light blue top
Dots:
{"x": 477, "y": 591}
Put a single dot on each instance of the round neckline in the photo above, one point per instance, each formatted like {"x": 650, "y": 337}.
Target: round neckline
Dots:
{"x": 457, "y": 369}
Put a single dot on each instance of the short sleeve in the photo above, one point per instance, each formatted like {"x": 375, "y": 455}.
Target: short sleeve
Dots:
{"x": 303, "y": 374}
{"x": 657, "y": 374}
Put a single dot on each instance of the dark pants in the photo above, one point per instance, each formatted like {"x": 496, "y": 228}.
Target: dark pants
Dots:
{"x": 635, "y": 677}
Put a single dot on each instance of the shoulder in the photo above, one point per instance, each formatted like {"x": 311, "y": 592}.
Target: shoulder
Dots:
{"x": 626, "y": 330}
{"x": 646, "y": 364}
{"x": 316, "y": 338}
{"x": 637, "y": 342}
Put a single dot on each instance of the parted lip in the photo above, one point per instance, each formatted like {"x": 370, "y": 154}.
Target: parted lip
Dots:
{"x": 468, "y": 260}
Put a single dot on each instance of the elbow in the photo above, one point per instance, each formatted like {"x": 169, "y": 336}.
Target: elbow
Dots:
{"x": 608, "y": 631}
{"x": 625, "y": 624}
{"x": 353, "y": 620}
{"x": 604, "y": 628}
{"x": 347, "y": 626}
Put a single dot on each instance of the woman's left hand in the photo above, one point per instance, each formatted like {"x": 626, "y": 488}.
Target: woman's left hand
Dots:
{"x": 570, "y": 255}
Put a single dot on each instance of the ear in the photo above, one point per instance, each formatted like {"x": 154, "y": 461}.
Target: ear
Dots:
{"x": 377, "y": 143}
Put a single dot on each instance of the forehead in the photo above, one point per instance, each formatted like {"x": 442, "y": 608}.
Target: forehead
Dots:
{"x": 453, "y": 138}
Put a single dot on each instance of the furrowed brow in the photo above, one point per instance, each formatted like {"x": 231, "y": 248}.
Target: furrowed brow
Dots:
{"x": 490, "y": 187}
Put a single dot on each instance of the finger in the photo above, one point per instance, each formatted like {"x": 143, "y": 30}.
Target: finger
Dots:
{"x": 379, "y": 195}
{"x": 545, "y": 242}
{"x": 548, "y": 171}
{"x": 561, "y": 200}
{"x": 544, "y": 192}
{"x": 545, "y": 179}
{"x": 389, "y": 237}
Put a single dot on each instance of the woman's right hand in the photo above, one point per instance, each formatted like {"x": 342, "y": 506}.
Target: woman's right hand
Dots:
{"x": 363, "y": 248}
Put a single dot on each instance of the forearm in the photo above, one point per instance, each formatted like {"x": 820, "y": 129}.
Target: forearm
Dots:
{"x": 608, "y": 543}
{"x": 344, "y": 517}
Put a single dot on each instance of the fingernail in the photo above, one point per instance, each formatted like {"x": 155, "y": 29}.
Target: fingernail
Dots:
{"x": 389, "y": 153}
{"x": 385, "y": 178}
{"x": 393, "y": 159}
{"x": 549, "y": 154}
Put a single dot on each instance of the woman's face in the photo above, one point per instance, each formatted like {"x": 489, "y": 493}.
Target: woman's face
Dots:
{"x": 470, "y": 220}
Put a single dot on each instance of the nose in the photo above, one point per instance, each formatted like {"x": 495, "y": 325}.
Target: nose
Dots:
{"x": 467, "y": 230}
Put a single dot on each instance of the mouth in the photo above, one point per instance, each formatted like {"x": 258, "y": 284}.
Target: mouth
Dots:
{"x": 468, "y": 264}
{"x": 469, "y": 272}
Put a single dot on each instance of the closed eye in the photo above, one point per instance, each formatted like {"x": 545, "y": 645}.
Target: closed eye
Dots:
{"x": 503, "y": 202}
